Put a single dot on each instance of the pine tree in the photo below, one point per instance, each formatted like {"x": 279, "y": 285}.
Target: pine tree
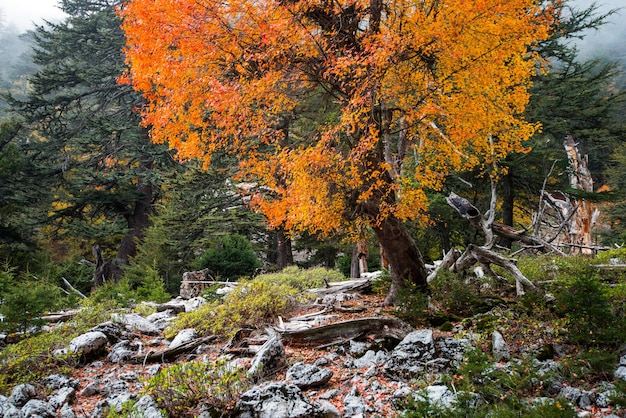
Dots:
{"x": 85, "y": 139}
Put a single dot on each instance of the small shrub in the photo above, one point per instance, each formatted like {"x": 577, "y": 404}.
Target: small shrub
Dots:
{"x": 411, "y": 305}
{"x": 254, "y": 303}
{"x": 33, "y": 358}
{"x": 302, "y": 279}
{"x": 114, "y": 295}
{"x": 23, "y": 300}
{"x": 250, "y": 304}
{"x": 455, "y": 295}
{"x": 592, "y": 365}
{"x": 585, "y": 304}
{"x": 182, "y": 387}
{"x": 152, "y": 288}
{"x": 230, "y": 257}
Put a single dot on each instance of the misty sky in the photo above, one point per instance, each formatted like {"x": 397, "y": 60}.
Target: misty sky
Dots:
{"x": 22, "y": 13}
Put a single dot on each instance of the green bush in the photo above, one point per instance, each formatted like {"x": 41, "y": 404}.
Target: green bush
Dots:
{"x": 33, "y": 358}
{"x": 254, "y": 303}
{"x": 230, "y": 257}
{"x": 584, "y": 302}
{"x": 180, "y": 388}
{"x": 456, "y": 296}
{"x": 152, "y": 287}
{"x": 302, "y": 279}
{"x": 411, "y": 305}
{"x": 23, "y": 300}
{"x": 503, "y": 392}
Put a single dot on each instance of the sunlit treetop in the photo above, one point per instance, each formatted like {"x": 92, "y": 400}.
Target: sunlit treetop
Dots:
{"x": 346, "y": 110}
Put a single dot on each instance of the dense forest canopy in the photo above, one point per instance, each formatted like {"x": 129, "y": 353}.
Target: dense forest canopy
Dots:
{"x": 352, "y": 121}
{"x": 414, "y": 92}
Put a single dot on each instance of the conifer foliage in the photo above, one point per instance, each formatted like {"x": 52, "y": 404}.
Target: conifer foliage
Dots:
{"x": 85, "y": 138}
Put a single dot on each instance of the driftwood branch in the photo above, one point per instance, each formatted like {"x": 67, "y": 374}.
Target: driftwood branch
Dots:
{"x": 72, "y": 288}
{"x": 341, "y": 332}
{"x": 478, "y": 221}
{"x": 484, "y": 255}
{"x": 356, "y": 285}
{"x": 169, "y": 354}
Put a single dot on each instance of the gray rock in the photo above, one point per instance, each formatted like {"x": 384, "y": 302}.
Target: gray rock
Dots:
{"x": 580, "y": 398}
{"x": 277, "y": 400}
{"x": 122, "y": 351}
{"x": 329, "y": 410}
{"x": 190, "y": 304}
{"x": 162, "y": 319}
{"x": 354, "y": 404}
{"x": 117, "y": 401}
{"x": 62, "y": 396}
{"x": 438, "y": 395}
{"x": 148, "y": 408}
{"x": 91, "y": 389}
{"x": 114, "y": 388}
{"x": 307, "y": 376}
{"x": 22, "y": 394}
{"x": 322, "y": 361}
{"x": 330, "y": 394}
{"x": 112, "y": 330}
{"x": 154, "y": 369}
{"x": 411, "y": 357}
{"x": 57, "y": 381}
{"x": 39, "y": 409}
{"x": 370, "y": 359}
{"x": 129, "y": 376}
{"x": 622, "y": 360}
{"x": 184, "y": 336}
{"x": 7, "y": 409}
{"x": 270, "y": 358}
{"x": 89, "y": 343}
{"x": 620, "y": 372}
{"x": 452, "y": 350}
{"x": 136, "y": 322}
{"x": 500, "y": 348}
{"x": 358, "y": 348}
{"x": 603, "y": 399}
{"x": 67, "y": 412}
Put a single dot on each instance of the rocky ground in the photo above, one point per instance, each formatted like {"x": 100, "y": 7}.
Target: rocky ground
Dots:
{"x": 358, "y": 376}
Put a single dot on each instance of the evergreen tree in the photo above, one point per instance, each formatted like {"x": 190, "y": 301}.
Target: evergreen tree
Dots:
{"x": 575, "y": 97}
{"x": 86, "y": 139}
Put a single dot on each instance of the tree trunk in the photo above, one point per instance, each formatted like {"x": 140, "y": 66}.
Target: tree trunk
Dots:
{"x": 285, "y": 255}
{"x": 354, "y": 263}
{"x": 362, "y": 254}
{"x": 405, "y": 258}
{"x": 138, "y": 221}
{"x": 508, "y": 200}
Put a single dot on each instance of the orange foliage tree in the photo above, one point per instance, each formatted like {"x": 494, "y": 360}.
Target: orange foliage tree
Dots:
{"x": 345, "y": 110}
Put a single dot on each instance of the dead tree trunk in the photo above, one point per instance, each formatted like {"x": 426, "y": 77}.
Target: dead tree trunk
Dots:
{"x": 586, "y": 213}
{"x": 484, "y": 255}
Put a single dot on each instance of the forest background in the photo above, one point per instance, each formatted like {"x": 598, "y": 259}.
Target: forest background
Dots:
{"x": 83, "y": 188}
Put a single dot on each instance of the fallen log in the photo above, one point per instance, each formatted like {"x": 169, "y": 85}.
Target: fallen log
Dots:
{"x": 355, "y": 285}
{"x": 340, "y": 332}
{"x": 169, "y": 354}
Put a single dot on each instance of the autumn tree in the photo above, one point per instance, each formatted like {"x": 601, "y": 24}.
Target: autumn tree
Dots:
{"x": 413, "y": 91}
